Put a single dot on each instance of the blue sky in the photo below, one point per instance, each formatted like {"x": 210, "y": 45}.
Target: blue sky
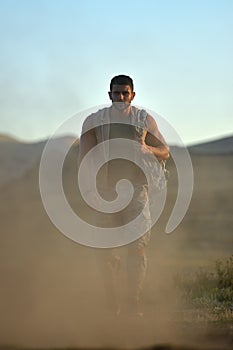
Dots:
{"x": 57, "y": 58}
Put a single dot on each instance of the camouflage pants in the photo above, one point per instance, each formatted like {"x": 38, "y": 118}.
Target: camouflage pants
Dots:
{"x": 109, "y": 260}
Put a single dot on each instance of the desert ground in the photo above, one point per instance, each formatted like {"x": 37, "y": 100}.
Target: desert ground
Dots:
{"x": 52, "y": 293}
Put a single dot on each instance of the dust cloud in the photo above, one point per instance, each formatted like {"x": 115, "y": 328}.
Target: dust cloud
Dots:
{"x": 52, "y": 290}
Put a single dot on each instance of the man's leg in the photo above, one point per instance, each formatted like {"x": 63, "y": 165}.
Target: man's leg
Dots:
{"x": 109, "y": 264}
{"x": 137, "y": 259}
{"x": 136, "y": 269}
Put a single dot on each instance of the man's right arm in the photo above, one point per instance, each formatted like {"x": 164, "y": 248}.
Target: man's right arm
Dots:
{"x": 87, "y": 140}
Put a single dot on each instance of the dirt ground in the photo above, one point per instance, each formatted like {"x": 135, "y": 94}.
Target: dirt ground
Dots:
{"x": 52, "y": 293}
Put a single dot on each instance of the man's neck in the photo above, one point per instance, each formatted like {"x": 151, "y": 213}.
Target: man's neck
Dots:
{"x": 120, "y": 113}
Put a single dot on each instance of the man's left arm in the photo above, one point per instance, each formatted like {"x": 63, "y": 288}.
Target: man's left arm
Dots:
{"x": 154, "y": 141}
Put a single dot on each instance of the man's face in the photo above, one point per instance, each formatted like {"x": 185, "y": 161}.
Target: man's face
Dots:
{"x": 121, "y": 96}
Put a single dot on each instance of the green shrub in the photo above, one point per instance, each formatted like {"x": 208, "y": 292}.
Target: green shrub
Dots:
{"x": 212, "y": 290}
{"x": 224, "y": 270}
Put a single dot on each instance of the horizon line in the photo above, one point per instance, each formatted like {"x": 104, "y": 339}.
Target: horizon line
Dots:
{"x": 43, "y": 139}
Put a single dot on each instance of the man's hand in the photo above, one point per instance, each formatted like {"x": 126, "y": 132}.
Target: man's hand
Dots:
{"x": 145, "y": 149}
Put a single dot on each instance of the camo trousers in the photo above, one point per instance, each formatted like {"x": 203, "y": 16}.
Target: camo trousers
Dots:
{"x": 136, "y": 259}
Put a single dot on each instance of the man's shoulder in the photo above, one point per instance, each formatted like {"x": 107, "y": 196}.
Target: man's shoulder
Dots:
{"x": 144, "y": 117}
{"x": 140, "y": 112}
{"x": 140, "y": 115}
{"x": 94, "y": 119}
{"x": 135, "y": 110}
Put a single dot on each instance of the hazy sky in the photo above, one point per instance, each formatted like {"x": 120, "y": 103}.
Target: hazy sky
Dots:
{"x": 57, "y": 58}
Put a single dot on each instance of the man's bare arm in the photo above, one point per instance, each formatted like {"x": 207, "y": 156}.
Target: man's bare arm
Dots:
{"x": 87, "y": 141}
{"x": 154, "y": 140}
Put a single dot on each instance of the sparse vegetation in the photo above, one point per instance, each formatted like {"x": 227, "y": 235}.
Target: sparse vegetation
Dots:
{"x": 209, "y": 293}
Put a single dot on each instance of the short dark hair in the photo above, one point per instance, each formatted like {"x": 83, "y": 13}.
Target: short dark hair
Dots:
{"x": 121, "y": 80}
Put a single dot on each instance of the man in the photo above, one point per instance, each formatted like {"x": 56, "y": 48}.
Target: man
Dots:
{"x": 123, "y": 121}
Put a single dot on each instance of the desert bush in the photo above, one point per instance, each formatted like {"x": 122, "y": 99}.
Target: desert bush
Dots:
{"x": 224, "y": 271}
{"x": 205, "y": 289}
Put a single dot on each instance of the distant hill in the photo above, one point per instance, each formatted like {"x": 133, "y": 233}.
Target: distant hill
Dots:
{"x": 16, "y": 158}
{"x": 215, "y": 147}
{"x": 7, "y": 138}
